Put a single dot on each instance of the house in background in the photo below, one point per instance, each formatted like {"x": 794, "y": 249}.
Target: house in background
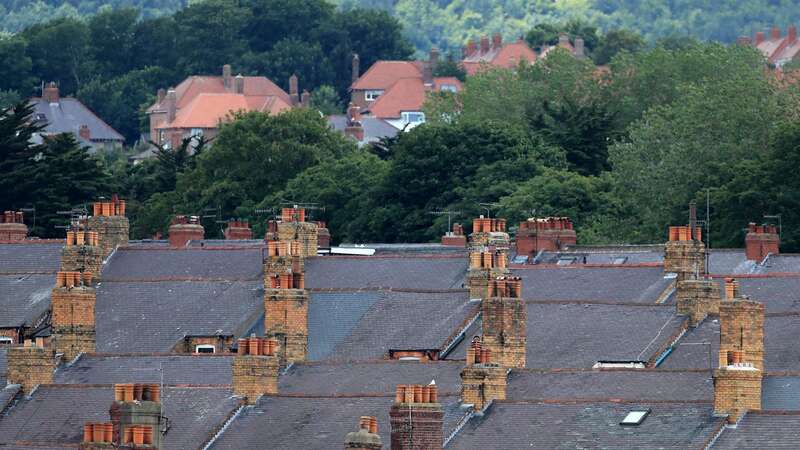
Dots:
{"x": 198, "y": 105}
{"x": 68, "y": 115}
{"x": 364, "y": 130}
{"x": 779, "y": 50}
{"x": 495, "y": 54}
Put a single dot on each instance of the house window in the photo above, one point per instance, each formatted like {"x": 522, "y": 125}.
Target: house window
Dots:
{"x": 413, "y": 117}
{"x": 197, "y": 132}
{"x": 372, "y": 95}
{"x": 634, "y": 418}
{"x": 6, "y": 340}
{"x": 448, "y": 88}
{"x": 205, "y": 348}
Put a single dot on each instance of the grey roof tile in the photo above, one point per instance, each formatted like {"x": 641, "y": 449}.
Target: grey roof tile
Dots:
{"x": 314, "y": 423}
{"x": 780, "y": 393}
{"x": 406, "y": 321}
{"x": 729, "y": 262}
{"x": 697, "y": 349}
{"x": 578, "y": 335}
{"x": 620, "y": 255}
{"x": 778, "y": 294}
{"x": 135, "y": 264}
{"x": 634, "y": 285}
{"x": 629, "y": 385}
{"x": 786, "y": 263}
{"x": 7, "y": 394}
{"x": 762, "y": 430}
{"x": 24, "y": 298}
{"x": 175, "y": 369}
{"x": 588, "y": 425}
{"x": 131, "y": 315}
{"x": 31, "y": 257}
{"x": 57, "y": 413}
{"x": 781, "y": 351}
{"x": 3, "y": 366}
{"x": 379, "y": 377}
{"x": 332, "y": 316}
{"x": 374, "y": 128}
{"x": 69, "y": 114}
{"x": 413, "y": 272}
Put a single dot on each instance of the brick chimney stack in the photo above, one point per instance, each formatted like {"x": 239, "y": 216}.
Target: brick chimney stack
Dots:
{"x": 505, "y": 322}
{"x": 685, "y": 253}
{"x": 366, "y": 438}
{"x": 354, "y": 128}
{"x": 489, "y": 232}
{"x": 484, "y": 45}
{"x": 110, "y": 224}
{"x": 485, "y": 265}
{"x": 84, "y": 132}
{"x": 760, "y": 38}
{"x": 563, "y": 41}
{"x": 760, "y": 241}
{"x": 161, "y": 93}
{"x": 775, "y": 33}
{"x": 184, "y": 229}
{"x": 286, "y": 300}
{"x": 355, "y": 68}
{"x": 697, "y": 298}
{"x": 293, "y": 227}
{"x": 82, "y": 252}
{"x": 30, "y": 364}
{"x": 238, "y": 84}
{"x": 294, "y": 95}
{"x": 227, "y": 79}
{"x": 12, "y": 226}
{"x": 305, "y": 99}
{"x": 50, "y": 93}
{"x": 455, "y": 237}
{"x": 417, "y": 418}
{"x": 255, "y": 368}
{"x": 172, "y": 104}
{"x": 73, "y": 314}
{"x": 791, "y": 35}
{"x": 238, "y": 230}
{"x": 482, "y": 380}
{"x": 136, "y": 415}
{"x": 737, "y": 382}
{"x": 549, "y": 234}
{"x": 497, "y": 41}
{"x": 744, "y": 41}
{"x": 323, "y": 235}
{"x": 471, "y": 47}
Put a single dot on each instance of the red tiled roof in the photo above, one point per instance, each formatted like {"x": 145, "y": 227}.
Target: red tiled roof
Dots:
{"x": 507, "y": 57}
{"x": 407, "y": 94}
{"x": 193, "y": 86}
{"x": 383, "y": 74}
{"x": 207, "y": 110}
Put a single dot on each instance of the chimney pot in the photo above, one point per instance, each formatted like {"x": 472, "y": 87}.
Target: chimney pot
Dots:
{"x": 484, "y": 44}
{"x": 497, "y": 40}
{"x": 239, "y": 84}
{"x": 775, "y": 33}
{"x": 760, "y": 37}
{"x": 50, "y": 93}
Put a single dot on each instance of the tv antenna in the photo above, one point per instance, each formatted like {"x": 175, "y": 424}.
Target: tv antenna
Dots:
{"x": 75, "y": 214}
{"x": 449, "y": 215}
{"x": 780, "y": 225}
{"x": 309, "y": 207}
{"x": 33, "y": 210}
{"x": 488, "y": 207}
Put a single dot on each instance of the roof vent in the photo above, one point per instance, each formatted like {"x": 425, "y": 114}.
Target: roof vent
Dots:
{"x": 635, "y": 417}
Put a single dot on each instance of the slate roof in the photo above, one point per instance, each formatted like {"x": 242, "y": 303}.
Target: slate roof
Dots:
{"x": 781, "y": 351}
{"x": 374, "y": 129}
{"x": 31, "y": 257}
{"x": 604, "y": 256}
{"x": 578, "y": 335}
{"x": 3, "y": 366}
{"x": 377, "y": 377}
{"x": 193, "y": 414}
{"x": 630, "y": 285}
{"x": 730, "y": 262}
{"x": 362, "y": 272}
{"x": 411, "y": 249}
{"x": 786, "y": 263}
{"x": 366, "y": 325}
{"x": 778, "y": 294}
{"x": 697, "y": 349}
{"x": 175, "y": 369}
{"x": 7, "y": 394}
{"x": 588, "y": 425}
{"x": 164, "y": 264}
{"x": 130, "y": 315}
{"x": 762, "y": 430}
{"x": 314, "y": 423}
{"x": 629, "y": 385}
{"x": 69, "y": 114}
{"x": 780, "y": 393}
{"x": 24, "y": 298}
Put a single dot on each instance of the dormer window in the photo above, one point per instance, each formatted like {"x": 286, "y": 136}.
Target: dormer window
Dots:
{"x": 204, "y": 348}
{"x": 372, "y": 94}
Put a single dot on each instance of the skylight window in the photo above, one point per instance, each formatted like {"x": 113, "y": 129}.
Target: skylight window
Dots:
{"x": 634, "y": 418}
{"x": 565, "y": 260}
{"x": 619, "y": 260}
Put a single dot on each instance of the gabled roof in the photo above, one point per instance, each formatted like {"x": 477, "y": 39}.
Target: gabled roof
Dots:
{"x": 383, "y": 74}
{"x": 97, "y": 368}
{"x": 406, "y": 95}
{"x": 374, "y": 128}
{"x": 373, "y": 272}
{"x": 507, "y": 57}
{"x": 208, "y": 110}
{"x": 154, "y": 264}
{"x": 68, "y": 115}
{"x": 763, "y": 430}
{"x": 618, "y": 284}
{"x": 27, "y": 276}
{"x": 195, "y": 85}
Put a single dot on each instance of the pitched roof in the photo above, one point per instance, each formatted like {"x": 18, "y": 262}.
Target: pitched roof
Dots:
{"x": 763, "y": 430}
{"x": 166, "y": 368}
{"x": 406, "y": 95}
{"x": 130, "y": 315}
{"x": 780, "y": 393}
{"x": 69, "y": 114}
{"x": 383, "y": 74}
{"x": 620, "y": 284}
{"x": 208, "y": 110}
{"x": 3, "y": 366}
{"x": 403, "y": 272}
{"x": 578, "y": 335}
{"x": 195, "y": 85}
{"x": 31, "y": 257}
{"x": 778, "y": 294}
{"x": 366, "y": 325}
{"x": 786, "y": 263}
{"x": 374, "y": 128}
{"x": 508, "y": 56}
{"x": 374, "y": 377}
{"x": 588, "y": 425}
{"x": 151, "y": 264}
{"x": 55, "y": 414}
{"x": 24, "y": 299}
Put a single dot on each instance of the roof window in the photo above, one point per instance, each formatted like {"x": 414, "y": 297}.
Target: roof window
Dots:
{"x": 565, "y": 260}
{"x": 204, "y": 348}
{"x": 619, "y": 260}
{"x": 619, "y": 365}
{"x": 635, "y": 417}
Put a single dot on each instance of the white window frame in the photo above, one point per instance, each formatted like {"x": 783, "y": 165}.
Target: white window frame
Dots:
{"x": 406, "y": 114}
{"x": 372, "y": 94}
{"x": 448, "y": 88}
{"x": 5, "y": 340}
{"x": 196, "y": 132}
{"x": 198, "y": 347}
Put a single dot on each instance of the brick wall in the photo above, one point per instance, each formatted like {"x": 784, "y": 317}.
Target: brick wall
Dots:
{"x": 305, "y": 233}
{"x": 697, "y": 299}
{"x": 12, "y": 333}
{"x": 286, "y": 319}
{"x": 504, "y": 328}
{"x": 686, "y": 258}
{"x": 189, "y": 343}
{"x": 140, "y": 411}
{"x": 736, "y": 390}
{"x": 30, "y": 366}
{"x": 255, "y": 368}
{"x": 416, "y": 419}
{"x": 113, "y": 232}
{"x": 741, "y": 328}
{"x": 482, "y": 380}
{"x": 484, "y": 266}
{"x": 73, "y": 319}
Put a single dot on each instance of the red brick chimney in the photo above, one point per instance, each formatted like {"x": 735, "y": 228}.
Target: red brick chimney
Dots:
{"x": 136, "y": 416}
{"x": 456, "y": 237}
{"x": 760, "y": 241}
{"x": 238, "y": 230}
{"x": 482, "y": 380}
{"x": 323, "y": 235}
{"x": 760, "y": 38}
{"x": 293, "y": 90}
{"x": 305, "y": 99}
{"x": 172, "y": 105}
{"x": 417, "y": 418}
{"x": 549, "y": 234}
{"x": 489, "y": 232}
{"x": 497, "y": 41}
{"x": 505, "y": 322}
{"x": 791, "y": 37}
{"x": 354, "y": 127}
{"x": 30, "y": 364}
{"x": 355, "y": 68}
{"x": 471, "y": 47}
{"x": 775, "y": 33}
{"x": 73, "y": 318}
{"x": 286, "y": 300}
{"x": 184, "y": 229}
{"x": 50, "y": 93}
{"x": 255, "y": 368}
{"x": 12, "y": 226}
{"x": 85, "y": 133}
{"x": 484, "y": 45}
{"x": 110, "y": 224}
{"x": 366, "y": 438}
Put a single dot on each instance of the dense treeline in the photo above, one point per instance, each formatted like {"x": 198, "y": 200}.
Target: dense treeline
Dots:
{"x": 116, "y": 60}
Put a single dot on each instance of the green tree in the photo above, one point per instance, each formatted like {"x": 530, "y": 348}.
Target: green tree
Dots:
{"x": 616, "y": 41}
{"x": 326, "y": 101}
{"x": 111, "y": 39}
{"x": 59, "y": 52}
{"x": 17, "y": 153}
{"x": 15, "y": 66}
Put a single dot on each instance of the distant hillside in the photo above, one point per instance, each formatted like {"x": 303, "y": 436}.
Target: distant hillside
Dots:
{"x": 18, "y": 14}
{"x": 449, "y": 23}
